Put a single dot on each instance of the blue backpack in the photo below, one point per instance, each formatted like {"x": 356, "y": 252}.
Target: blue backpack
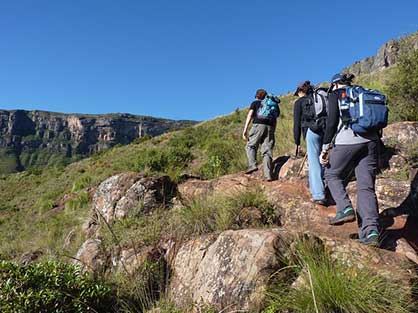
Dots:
{"x": 269, "y": 108}
{"x": 363, "y": 110}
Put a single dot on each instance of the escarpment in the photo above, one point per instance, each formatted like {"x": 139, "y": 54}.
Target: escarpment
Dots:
{"x": 36, "y": 138}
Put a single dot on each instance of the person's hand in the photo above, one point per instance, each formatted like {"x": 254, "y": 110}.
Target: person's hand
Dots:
{"x": 244, "y": 135}
{"x": 324, "y": 157}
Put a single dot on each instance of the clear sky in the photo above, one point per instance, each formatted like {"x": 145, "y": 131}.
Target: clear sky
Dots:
{"x": 182, "y": 59}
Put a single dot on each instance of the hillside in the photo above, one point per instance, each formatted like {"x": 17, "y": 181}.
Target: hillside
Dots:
{"x": 184, "y": 235}
{"x": 38, "y": 138}
{"x": 206, "y": 150}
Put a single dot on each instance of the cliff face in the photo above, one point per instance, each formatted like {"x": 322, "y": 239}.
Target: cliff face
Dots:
{"x": 32, "y": 138}
{"x": 387, "y": 55}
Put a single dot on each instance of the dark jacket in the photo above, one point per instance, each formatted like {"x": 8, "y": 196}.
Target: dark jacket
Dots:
{"x": 298, "y": 130}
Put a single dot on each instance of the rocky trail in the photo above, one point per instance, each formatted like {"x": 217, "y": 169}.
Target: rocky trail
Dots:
{"x": 230, "y": 270}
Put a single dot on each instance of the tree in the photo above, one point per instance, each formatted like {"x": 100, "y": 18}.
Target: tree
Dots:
{"x": 403, "y": 87}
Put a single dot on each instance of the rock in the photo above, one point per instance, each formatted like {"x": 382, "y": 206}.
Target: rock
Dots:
{"x": 250, "y": 217}
{"x": 89, "y": 227}
{"x": 90, "y": 256}
{"x": 403, "y": 136}
{"x": 228, "y": 272}
{"x": 110, "y": 192}
{"x": 72, "y": 136}
{"x": 390, "y": 192}
{"x": 387, "y": 56}
{"x": 404, "y": 248}
{"x": 292, "y": 167}
{"x": 131, "y": 194}
{"x": 145, "y": 195}
{"x": 69, "y": 239}
{"x": 29, "y": 257}
{"x": 129, "y": 260}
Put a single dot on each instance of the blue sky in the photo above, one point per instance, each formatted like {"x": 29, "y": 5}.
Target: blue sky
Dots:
{"x": 184, "y": 59}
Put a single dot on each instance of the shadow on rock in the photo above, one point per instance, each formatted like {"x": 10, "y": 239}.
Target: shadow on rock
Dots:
{"x": 406, "y": 225}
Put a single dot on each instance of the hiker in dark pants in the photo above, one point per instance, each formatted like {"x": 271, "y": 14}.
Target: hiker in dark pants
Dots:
{"x": 352, "y": 152}
{"x": 262, "y": 132}
{"x": 303, "y": 124}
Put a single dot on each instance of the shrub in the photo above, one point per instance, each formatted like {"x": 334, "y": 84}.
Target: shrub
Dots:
{"x": 51, "y": 287}
{"x": 326, "y": 285}
{"x": 403, "y": 88}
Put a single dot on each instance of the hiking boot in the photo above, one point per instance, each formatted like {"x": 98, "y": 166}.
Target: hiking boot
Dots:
{"x": 319, "y": 201}
{"x": 344, "y": 216}
{"x": 372, "y": 239}
{"x": 251, "y": 170}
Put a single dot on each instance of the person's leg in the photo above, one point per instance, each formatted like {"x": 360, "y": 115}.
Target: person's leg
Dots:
{"x": 254, "y": 139}
{"x": 367, "y": 206}
{"x": 340, "y": 158}
{"x": 267, "y": 152}
{"x": 316, "y": 184}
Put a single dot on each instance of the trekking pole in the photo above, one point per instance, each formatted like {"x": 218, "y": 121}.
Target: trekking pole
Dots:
{"x": 302, "y": 164}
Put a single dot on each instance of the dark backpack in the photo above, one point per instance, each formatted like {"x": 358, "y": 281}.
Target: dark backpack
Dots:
{"x": 269, "y": 109}
{"x": 314, "y": 112}
{"x": 363, "y": 110}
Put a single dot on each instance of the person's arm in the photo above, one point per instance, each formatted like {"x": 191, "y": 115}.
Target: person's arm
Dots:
{"x": 247, "y": 123}
{"x": 333, "y": 119}
{"x": 297, "y": 112}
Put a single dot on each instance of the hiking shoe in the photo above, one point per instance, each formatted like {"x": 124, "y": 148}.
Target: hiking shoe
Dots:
{"x": 319, "y": 201}
{"x": 251, "y": 170}
{"x": 344, "y": 216}
{"x": 372, "y": 239}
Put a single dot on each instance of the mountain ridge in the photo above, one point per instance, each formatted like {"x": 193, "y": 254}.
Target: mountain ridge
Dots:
{"x": 38, "y": 138}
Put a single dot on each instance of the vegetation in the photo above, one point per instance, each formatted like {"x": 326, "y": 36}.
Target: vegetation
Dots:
{"x": 312, "y": 281}
{"x": 403, "y": 91}
{"x": 51, "y": 287}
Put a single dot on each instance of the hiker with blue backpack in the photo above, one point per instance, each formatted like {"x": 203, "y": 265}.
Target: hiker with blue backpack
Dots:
{"x": 309, "y": 117}
{"x": 355, "y": 118}
{"x": 263, "y": 114}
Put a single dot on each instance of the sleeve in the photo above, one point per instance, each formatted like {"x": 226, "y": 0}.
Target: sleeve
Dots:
{"x": 253, "y": 105}
{"x": 333, "y": 119}
{"x": 297, "y": 122}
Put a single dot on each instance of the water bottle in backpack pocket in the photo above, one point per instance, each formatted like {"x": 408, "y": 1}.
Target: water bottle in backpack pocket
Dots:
{"x": 269, "y": 108}
{"x": 363, "y": 110}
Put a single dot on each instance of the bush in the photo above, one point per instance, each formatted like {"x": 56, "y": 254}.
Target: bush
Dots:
{"x": 50, "y": 287}
{"x": 326, "y": 285}
{"x": 403, "y": 88}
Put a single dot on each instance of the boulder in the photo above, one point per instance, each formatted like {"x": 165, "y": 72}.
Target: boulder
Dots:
{"x": 91, "y": 257}
{"x": 293, "y": 167}
{"x": 228, "y": 272}
{"x": 131, "y": 194}
{"x": 390, "y": 192}
{"x": 402, "y": 136}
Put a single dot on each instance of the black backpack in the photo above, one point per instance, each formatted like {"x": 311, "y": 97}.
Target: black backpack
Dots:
{"x": 314, "y": 110}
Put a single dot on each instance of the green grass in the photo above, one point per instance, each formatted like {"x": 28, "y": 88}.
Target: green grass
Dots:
{"x": 210, "y": 149}
{"x": 326, "y": 285}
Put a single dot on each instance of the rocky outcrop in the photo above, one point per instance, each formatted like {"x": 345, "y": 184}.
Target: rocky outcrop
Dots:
{"x": 32, "y": 138}
{"x": 387, "y": 56}
{"x": 131, "y": 194}
{"x": 118, "y": 197}
{"x": 230, "y": 271}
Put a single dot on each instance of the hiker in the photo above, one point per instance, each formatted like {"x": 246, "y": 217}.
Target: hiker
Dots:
{"x": 311, "y": 124}
{"x": 352, "y": 151}
{"x": 263, "y": 113}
